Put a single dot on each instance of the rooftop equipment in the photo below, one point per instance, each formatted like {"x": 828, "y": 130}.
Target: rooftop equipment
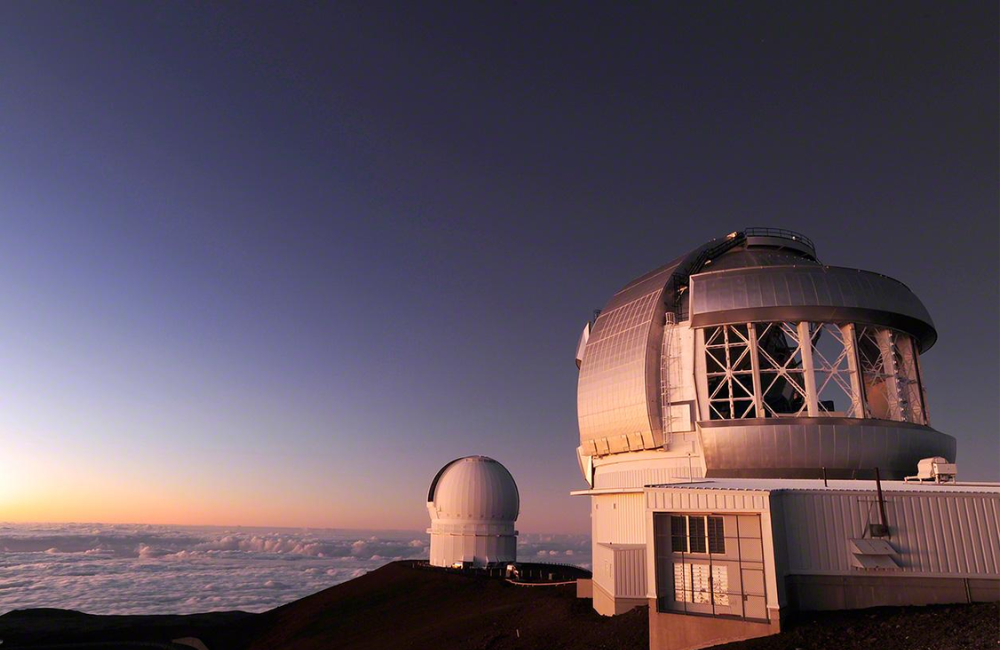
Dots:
{"x": 935, "y": 470}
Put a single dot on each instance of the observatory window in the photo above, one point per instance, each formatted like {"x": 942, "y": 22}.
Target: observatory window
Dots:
{"x": 802, "y": 369}
{"x": 678, "y": 534}
{"x": 890, "y": 374}
{"x": 720, "y": 585}
{"x": 716, "y": 536}
{"x": 715, "y": 583}
{"x": 782, "y": 379}
{"x": 697, "y": 534}
{"x": 832, "y": 368}
{"x": 729, "y": 367}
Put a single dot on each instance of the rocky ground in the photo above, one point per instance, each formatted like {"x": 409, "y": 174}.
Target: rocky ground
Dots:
{"x": 401, "y": 606}
{"x": 941, "y": 627}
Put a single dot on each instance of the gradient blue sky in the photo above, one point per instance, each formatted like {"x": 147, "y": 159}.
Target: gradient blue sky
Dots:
{"x": 276, "y": 263}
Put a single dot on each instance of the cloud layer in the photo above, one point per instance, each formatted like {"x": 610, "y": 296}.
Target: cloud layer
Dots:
{"x": 118, "y": 569}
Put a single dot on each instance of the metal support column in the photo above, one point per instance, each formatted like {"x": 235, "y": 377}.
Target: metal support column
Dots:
{"x": 808, "y": 374}
{"x": 857, "y": 392}
{"x": 758, "y": 396}
{"x": 910, "y": 381}
{"x": 891, "y": 372}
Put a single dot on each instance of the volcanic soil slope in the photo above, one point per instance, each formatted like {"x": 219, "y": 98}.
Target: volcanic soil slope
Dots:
{"x": 409, "y": 607}
{"x": 405, "y": 607}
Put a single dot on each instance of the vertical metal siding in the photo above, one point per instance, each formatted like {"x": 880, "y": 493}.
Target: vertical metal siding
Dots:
{"x": 630, "y": 572}
{"x": 933, "y": 533}
{"x": 619, "y": 519}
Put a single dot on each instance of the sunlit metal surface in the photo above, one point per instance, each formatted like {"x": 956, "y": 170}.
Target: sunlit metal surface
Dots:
{"x": 473, "y": 503}
{"x": 746, "y": 357}
{"x": 847, "y": 448}
{"x": 619, "y": 384}
{"x": 808, "y": 292}
{"x": 775, "y": 337}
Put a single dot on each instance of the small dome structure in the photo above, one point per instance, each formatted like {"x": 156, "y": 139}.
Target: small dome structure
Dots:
{"x": 473, "y": 503}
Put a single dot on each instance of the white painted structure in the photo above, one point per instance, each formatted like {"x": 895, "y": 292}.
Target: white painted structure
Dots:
{"x": 473, "y": 503}
{"x": 746, "y": 358}
{"x": 747, "y": 550}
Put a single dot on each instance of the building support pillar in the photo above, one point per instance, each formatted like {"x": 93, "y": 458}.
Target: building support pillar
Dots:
{"x": 809, "y": 376}
{"x": 857, "y": 392}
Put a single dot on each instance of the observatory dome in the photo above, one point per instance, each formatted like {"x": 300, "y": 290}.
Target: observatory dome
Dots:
{"x": 473, "y": 503}
{"x": 748, "y": 357}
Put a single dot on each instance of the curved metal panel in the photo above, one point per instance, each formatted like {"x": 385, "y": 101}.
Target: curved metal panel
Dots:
{"x": 619, "y": 384}
{"x": 475, "y": 484}
{"x": 813, "y": 293}
{"x": 802, "y": 447}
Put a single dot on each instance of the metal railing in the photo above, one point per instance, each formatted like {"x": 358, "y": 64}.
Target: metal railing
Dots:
{"x": 779, "y": 232}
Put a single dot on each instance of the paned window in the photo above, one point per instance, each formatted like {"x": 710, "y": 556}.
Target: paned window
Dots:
{"x": 832, "y": 367}
{"x": 889, "y": 370}
{"x": 783, "y": 391}
{"x": 801, "y": 369}
{"x": 729, "y": 367}
{"x": 697, "y": 534}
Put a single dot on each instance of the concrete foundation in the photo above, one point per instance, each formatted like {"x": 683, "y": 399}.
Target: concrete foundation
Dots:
{"x": 669, "y": 631}
{"x": 607, "y": 605}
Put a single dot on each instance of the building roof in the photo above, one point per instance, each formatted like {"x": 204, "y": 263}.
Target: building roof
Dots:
{"x": 816, "y": 485}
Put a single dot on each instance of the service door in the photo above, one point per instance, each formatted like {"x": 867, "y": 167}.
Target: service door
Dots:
{"x": 708, "y": 563}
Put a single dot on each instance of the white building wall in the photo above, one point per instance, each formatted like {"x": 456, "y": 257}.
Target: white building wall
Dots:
{"x": 618, "y": 538}
{"x": 621, "y": 569}
{"x": 630, "y": 572}
{"x": 448, "y": 549}
{"x": 618, "y": 519}
{"x": 936, "y": 534}
{"x": 604, "y": 567}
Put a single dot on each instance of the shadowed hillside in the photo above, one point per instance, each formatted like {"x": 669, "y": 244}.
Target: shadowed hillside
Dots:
{"x": 402, "y": 606}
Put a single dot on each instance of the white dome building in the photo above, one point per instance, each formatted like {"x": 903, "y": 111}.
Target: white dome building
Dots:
{"x": 473, "y": 503}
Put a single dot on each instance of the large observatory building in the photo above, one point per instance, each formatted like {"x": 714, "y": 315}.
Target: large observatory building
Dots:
{"x": 734, "y": 407}
{"x": 473, "y": 503}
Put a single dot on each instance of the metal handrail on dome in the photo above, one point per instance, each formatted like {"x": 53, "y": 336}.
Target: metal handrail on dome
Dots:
{"x": 694, "y": 263}
{"x": 779, "y": 232}
{"x": 690, "y": 266}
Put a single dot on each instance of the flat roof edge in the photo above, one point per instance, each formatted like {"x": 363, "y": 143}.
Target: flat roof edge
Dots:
{"x": 629, "y": 490}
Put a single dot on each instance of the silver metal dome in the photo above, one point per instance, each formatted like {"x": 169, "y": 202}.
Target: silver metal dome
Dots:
{"x": 474, "y": 488}
{"x": 760, "y": 361}
{"x": 473, "y": 503}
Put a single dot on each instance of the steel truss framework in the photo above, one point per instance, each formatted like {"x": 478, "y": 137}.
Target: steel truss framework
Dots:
{"x": 803, "y": 369}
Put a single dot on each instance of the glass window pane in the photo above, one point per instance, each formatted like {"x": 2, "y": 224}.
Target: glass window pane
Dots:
{"x": 716, "y": 536}
{"x": 678, "y": 534}
{"x": 701, "y": 583}
{"x": 832, "y": 371}
{"x": 720, "y": 585}
{"x": 696, "y": 534}
{"x": 780, "y": 359}
{"x": 682, "y": 582}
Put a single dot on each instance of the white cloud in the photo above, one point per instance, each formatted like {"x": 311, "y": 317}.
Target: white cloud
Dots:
{"x": 156, "y": 569}
{"x": 117, "y": 569}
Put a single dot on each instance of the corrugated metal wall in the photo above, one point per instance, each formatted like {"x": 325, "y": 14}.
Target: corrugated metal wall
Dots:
{"x": 935, "y": 534}
{"x": 630, "y": 572}
{"x": 621, "y": 571}
{"x": 619, "y": 519}
{"x": 707, "y": 500}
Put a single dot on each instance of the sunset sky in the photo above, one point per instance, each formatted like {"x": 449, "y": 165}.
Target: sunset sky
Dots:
{"x": 276, "y": 264}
